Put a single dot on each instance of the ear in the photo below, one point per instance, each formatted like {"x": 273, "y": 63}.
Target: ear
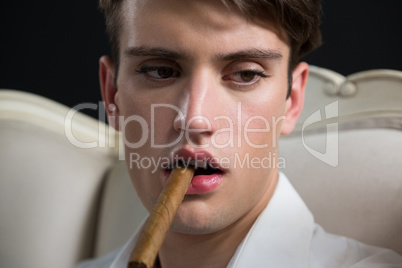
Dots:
{"x": 109, "y": 90}
{"x": 294, "y": 104}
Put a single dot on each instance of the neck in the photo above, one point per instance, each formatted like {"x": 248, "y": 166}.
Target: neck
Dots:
{"x": 210, "y": 250}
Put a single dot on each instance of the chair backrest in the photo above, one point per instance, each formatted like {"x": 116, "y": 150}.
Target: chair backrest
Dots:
{"x": 50, "y": 189}
{"x": 345, "y": 155}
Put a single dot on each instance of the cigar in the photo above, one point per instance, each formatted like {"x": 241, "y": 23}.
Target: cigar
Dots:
{"x": 158, "y": 223}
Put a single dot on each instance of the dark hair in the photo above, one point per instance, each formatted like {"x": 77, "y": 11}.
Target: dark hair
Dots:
{"x": 299, "y": 18}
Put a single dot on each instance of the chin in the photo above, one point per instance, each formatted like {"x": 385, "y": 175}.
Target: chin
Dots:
{"x": 189, "y": 229}
{"x": 193, "y": 229}
{"x": 195, "y": 223}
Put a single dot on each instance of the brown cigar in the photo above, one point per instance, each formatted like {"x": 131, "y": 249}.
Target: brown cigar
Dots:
{"x": 158, "y": 223}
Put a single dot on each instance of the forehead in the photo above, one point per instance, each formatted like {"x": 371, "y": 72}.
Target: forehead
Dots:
{"x": 190, "y": 25}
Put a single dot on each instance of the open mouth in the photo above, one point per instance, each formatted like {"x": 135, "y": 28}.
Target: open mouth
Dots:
{"x": 201, "y": 167}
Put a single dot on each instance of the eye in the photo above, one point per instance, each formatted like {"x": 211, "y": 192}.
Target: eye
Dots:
{"x": 158, "y": 72}
{"x": 246, "y": 77}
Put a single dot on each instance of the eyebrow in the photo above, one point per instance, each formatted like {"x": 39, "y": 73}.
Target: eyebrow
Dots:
{"x": 143, "y": 51}
{"x": 250, "y": 53}
{"x": 154, "y": 52}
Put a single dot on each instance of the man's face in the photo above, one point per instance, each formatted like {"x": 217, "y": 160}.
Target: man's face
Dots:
{"x": 203, "y": 83}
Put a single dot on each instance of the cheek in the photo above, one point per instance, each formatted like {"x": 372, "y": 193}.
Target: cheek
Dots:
{"x": 261, "y": 124}
{"x": 145, "y": 122}
{"x": 162, "y": 124}
{"x": 147, "y": 192}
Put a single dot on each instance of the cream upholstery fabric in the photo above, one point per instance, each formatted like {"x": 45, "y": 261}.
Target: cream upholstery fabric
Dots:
{"x": 60, "y": 203}
{"x": 49, "y": 189}
{"x": 360, "y": 198}
{"x": 360, "y": 194}
{"x": 121, "y": 211}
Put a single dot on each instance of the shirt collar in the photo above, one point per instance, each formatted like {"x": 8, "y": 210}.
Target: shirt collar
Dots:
{"x": 280, "y": 237}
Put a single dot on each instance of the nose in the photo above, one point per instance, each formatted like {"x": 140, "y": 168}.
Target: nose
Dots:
{"x": 199, "y": 107}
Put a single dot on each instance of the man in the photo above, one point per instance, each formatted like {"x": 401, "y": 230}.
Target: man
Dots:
{"x": 217, "y": 82}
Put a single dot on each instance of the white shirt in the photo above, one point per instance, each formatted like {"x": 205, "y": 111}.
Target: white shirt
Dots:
{"x": 284, "y": 235}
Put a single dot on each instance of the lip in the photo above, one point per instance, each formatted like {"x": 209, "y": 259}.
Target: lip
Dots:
{"x": 200, "y": 184}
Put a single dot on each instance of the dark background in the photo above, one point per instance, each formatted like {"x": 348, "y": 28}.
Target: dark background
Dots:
{"x": 51, "y": 48}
